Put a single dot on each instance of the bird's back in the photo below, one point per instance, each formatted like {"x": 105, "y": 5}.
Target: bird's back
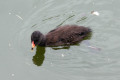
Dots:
{"x": 66, "y": 35}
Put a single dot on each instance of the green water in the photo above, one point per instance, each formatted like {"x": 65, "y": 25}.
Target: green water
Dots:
{"x": 94, "y": 59}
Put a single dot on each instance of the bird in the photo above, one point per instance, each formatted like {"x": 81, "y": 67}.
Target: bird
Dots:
{"x": 60, "y": 36}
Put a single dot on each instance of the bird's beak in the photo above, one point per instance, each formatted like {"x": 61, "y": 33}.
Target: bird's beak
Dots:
{"x": 33, "y": 45}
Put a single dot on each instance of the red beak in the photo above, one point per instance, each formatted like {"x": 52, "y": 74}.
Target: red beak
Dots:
{"x": 33, "y": 45}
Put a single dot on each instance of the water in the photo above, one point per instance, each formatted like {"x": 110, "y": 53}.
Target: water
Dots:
{"x": 94, "y": 59}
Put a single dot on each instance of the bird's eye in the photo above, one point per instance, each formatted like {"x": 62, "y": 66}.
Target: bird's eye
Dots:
{"x": 82, "y": 33}
{"x": 35, "y": 41}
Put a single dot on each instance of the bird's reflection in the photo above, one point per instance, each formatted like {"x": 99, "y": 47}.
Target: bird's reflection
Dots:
{"x": 39, "y": 57}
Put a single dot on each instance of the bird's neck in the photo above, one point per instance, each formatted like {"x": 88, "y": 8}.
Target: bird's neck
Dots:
{"x": 43, "y": 41}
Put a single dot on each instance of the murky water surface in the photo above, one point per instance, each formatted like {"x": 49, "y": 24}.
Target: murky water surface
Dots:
{"x": 95, "y": 59}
